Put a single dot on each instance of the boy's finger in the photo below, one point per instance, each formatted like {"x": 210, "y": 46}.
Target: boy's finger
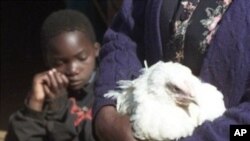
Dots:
{"x": 54, "y": 85}
{"x": 65, "y": 80}
{"x": 46, "y": 80}
{"x": 41, "y": 78}
{"x": 59, "y": 80}
{"x": 47, "y": 91}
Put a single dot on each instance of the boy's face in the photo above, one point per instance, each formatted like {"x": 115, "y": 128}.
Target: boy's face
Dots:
{"x": 73, "y": 54}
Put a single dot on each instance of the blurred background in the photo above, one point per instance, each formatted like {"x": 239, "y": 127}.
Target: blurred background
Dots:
{"x": 21, "y": 54}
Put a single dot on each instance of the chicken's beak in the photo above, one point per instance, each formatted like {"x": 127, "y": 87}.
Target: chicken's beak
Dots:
{"x": 184, "y": 99}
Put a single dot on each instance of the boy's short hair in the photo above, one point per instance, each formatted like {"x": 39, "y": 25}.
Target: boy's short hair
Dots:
{"x": 64, "y": 21}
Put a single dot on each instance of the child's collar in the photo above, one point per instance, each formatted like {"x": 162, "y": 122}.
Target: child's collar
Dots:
{"x": 92, "y": 78}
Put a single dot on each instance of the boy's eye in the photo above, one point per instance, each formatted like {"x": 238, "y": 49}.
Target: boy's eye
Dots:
{"x": 82, "y": 58}
{"x": 58, "y": 62}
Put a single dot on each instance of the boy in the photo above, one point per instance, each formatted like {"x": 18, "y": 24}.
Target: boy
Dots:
{"x": 59, "y": 104}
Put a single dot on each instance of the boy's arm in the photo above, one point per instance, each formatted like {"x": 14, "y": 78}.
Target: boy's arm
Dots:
{"x": 45, "y": 113}
{"x": 26, "y": 125}
{"x": 54, "y": 124}
{"x": 60, "y": 120}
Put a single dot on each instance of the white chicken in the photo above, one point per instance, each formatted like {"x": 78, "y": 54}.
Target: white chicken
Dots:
{"x": 167, "y": 102}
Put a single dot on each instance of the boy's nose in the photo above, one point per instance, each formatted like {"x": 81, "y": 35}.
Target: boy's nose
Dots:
{"x": 72, "y": 69}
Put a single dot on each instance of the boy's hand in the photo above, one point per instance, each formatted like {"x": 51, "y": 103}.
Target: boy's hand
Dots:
{"x": 56, "y": 86}
{"x": 47, "y": 85}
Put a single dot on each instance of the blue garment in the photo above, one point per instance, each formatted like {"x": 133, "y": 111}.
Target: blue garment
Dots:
{"x": 135, "y": 36}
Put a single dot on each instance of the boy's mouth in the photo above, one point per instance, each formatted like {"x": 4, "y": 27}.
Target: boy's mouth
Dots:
{"x": 75, "y": 84}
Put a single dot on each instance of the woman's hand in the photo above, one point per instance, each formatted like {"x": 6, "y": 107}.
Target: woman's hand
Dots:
{"x": 111, "y": 126}
{"x": 47, "y": 85}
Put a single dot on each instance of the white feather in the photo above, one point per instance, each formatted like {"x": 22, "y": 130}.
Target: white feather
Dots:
{"x": 151, "y": 104}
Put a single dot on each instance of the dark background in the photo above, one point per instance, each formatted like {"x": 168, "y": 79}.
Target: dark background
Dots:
{"x": 20, "y": 51}
{"x": 21, "y": 55}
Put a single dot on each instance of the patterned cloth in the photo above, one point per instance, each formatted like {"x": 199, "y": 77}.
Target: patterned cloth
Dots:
{"x": 197, "y": 19}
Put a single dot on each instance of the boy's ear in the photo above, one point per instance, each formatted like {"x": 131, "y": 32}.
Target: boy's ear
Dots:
{"x": 97, "y": 47}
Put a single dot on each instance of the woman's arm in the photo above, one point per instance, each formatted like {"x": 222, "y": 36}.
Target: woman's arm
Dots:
{"x": 227, "y": 66}
{"x": 110, "y": 126}
{"x": 119, "y": 61}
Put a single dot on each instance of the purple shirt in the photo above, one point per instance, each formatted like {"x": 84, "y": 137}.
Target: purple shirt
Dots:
{"x": 134, "y": 36}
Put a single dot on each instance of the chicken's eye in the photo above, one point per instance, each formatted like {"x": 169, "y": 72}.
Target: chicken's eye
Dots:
{"x": 176, "y": 89}
{"x": 173, "y": 88}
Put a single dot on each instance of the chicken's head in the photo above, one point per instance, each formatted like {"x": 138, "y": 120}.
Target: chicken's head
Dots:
{"x": 172, "y": 81}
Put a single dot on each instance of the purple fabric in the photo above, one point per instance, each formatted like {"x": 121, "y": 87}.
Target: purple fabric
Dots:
{"x": 135, "y": 36}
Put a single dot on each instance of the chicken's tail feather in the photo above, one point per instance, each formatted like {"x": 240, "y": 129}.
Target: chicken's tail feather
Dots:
{"x": 112, "y": 94}
{"x": 124, "y": 84}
